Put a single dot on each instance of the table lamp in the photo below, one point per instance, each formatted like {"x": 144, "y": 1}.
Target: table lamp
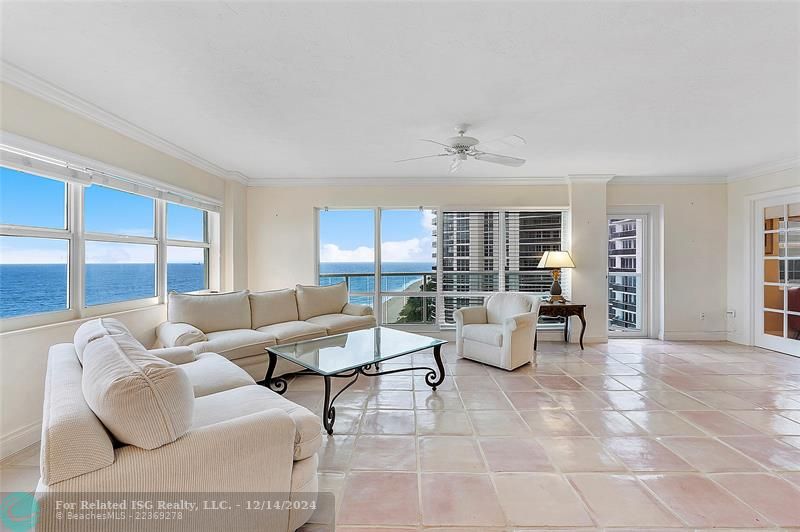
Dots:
{"x": 555, "y": 260}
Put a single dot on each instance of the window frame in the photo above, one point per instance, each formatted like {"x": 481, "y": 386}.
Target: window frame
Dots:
{"x": 77, "y": 237}
{"x": 166, "y": 243}
{"x": 439, "y": 325}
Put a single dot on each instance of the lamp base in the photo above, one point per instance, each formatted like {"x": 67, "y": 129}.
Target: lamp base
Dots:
{"x": 556, "y": 299}
{"x": 555, "y": 288}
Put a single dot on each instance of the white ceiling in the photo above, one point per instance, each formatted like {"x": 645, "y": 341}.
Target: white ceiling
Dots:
{"x": 341, "y": 89}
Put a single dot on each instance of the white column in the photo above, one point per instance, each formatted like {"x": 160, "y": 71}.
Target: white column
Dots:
{"x": 589, "y": 250}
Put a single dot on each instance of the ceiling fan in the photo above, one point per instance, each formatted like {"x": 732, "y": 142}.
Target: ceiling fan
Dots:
{"x": 461, "y": 147}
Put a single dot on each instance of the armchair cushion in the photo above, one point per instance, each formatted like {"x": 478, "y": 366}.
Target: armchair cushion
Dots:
{"x": 342, "y": 323}
{"x": 273, "y": 306}
{"x": 489, "y": 334}
{"x": 222, "y": 406}
{"x": 319, "y": 300}
{"x": 236, "y": 343}
{"x": 211, "y": 312}
{"x": 212, "y": 373}
{"x": 141, "y": 399}
{"x": 176, "y": 355}
{"x": 504, "y": 305}
{"x": 179, "y": 334}
{"x": 353, "y": 309}
{"x": 94, "y": 329}
{"x": 294, "y": 331}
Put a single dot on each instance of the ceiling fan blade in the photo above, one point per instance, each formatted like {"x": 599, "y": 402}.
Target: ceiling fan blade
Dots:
{"x": 499, "y": 159}
{"x": 436, "y": 142}
{"x": 423, "y": 157}
{"x": 509, "y": 141}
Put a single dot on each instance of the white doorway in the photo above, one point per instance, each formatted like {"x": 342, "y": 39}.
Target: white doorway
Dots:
{"x": 628, "y": 274}
{"x": 776, "y": 320}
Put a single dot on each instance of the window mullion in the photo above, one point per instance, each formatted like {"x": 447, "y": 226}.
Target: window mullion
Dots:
{"x": 378, "y": 284}
{"x": 161, "y": 252}
{"x": 77, "y": 255}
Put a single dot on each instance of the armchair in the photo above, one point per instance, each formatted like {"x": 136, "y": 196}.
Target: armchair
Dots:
{"x": 501, "y": 332}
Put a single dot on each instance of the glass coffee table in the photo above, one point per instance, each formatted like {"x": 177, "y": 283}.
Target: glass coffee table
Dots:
{"x": 349, "y": 355}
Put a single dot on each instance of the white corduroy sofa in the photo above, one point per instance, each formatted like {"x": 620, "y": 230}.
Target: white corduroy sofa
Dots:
{"x": 120, "y": 418}
{"x": 241, "y": 325}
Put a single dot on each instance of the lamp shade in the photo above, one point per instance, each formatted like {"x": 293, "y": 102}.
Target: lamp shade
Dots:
{"x": 556, "y": 259}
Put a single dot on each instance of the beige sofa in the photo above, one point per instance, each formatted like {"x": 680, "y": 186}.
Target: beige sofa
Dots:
{"x": 499, "y": 333}
{"x": 120, "y": 418}
{"x": 241, "y": 325}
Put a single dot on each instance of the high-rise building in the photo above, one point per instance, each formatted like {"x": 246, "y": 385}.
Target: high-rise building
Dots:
{"x": 624, "y": 260}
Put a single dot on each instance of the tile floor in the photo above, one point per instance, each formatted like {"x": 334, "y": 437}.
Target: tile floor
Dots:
{"x": 635, "y": 434}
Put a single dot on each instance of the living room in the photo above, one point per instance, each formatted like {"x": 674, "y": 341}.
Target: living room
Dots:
{"x": 522, "y": 264}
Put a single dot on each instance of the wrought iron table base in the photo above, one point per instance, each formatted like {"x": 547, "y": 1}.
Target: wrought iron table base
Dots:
{"x": 279, "y": 384}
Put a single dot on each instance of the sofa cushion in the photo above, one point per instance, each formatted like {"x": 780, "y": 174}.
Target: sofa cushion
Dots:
{"x": 342, "y": 323}
{"x": 246, "y": 400}
{"x": 210, "y": 312}
{"x": 502, "y": 306}
{"x": 94, "y": 329}
{"x": 236, "y": 343}
{"x": 142, "y": 400}
{"x": 318, "y": 300}
{"x": 212, "y": 373}
{"x": 490, "y": 334}
{"x": 294, "y": 331}
{"x": 274, "y": 306}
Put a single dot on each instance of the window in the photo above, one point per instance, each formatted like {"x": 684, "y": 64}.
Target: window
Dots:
{"x": 120, "y": 252}
{"x": 434, "y": 262}
{"x": 408, "y": 266}
{"x": 625, "y": 276}
{"x": 187, "y": 249}
{"x": 34, "y": 244}
{"x": 347, "y": 252}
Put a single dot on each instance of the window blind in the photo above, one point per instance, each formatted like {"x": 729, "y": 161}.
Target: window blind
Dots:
{"x": 528, "y": 234}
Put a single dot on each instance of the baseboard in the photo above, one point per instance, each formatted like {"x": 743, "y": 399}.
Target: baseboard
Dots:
{"x": 20, "y": 439}
{"x": 704, "y": 336}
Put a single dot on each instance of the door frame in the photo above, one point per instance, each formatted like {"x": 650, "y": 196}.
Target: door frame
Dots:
{"x": 755, "y": 306}
{"x": 653, "y": 286}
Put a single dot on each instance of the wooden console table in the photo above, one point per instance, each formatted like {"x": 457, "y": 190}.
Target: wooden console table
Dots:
{"x": 562, "y": 310}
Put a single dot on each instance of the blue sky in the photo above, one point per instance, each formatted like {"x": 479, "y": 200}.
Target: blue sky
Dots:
{"x": 35, "y": 201}
{"x": 349, "y": 235}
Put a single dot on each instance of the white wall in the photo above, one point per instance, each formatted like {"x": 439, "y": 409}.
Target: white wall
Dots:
{"x": 23, "y": 354}
{"x": 694, "y": 228}
{"x": 740, "y": 194}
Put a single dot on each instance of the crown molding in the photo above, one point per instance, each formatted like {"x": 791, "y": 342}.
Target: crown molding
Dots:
{"x": 669, "y": 180}
{"x": 402, "y": 181}
{"x": 766, "y": 168}
{"x": 589, "y": 178}
{"x": 45, "y": 90}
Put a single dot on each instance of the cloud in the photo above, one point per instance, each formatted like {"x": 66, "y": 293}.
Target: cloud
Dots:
{"x": 427, "y": 220}
{"x": 33, "y": 256}
{"x": 114, "y": 253}
{"x": 333, "y": 253}
{"x": 412, "y": 250}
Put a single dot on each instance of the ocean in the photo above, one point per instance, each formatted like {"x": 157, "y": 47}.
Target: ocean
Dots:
{"x": 33, "y": 288}
{"x": 366, "y": 283}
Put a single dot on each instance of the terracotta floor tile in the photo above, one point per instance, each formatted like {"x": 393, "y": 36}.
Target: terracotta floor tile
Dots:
{"x": 661, "y": 423}
{"x": 365, "y": 499}
{"x": 645, "y": 454}
{"x": 701, "y": 503}
{"x": 540, "y": 400}
{"x": 608, "y": 423}
{"x": 580, "y": 454}
{"x": 387, "y": 453}
{"x": 516, "y": 383}
{"x": 556, "y": 504}
{"x": 673, "y": 400}
{"x": 628, "y": 401}
{"x": 485, "y": 401}
{"x": 447, "y": 385}
{"x": 336, "y": 452}
{"x": 455, "y": 454}
{"x": 515, "y": 455}
{"x": 475, "y": 384}
{"x": 773, "y": 497}
{"x": 386, "y": 422}
{"x": 443, "y": 422}
{"x": 438, "y": 400}
{"x": 553, "y": 423}
{"x": 767, "y": 422}
{"x": 459, "y": 499}
{"x": 558, "y": 382}
{"x": 709, "y": 455}
{"x": 391, "y": 399}
{"x": 769, "y": 452}
{"x": 620, "y": 500}
{"x": 721, "y": 400}
{"x": 601, "y": 382}
{"x": 498, "y": 423}
{"x": 719, "y": 424}
{"x": 393, "y": 382}
{"x": 580, "y": 400}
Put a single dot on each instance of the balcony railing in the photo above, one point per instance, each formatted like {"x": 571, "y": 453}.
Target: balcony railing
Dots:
{"x": 391, "y": 282}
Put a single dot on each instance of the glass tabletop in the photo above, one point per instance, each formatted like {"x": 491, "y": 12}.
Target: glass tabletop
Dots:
{"x": 342, "y": 352}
